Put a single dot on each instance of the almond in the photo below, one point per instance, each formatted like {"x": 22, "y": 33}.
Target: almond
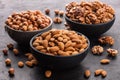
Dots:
{"x": 87, "y": 73}
{"x": 98, "y": 72}
{"x": 54, "y": 49}
{"x": 45, "y": 43}
{"x": 61, "y": 45}
{"x": 105, "y": 61}
{"x": 104, "y": 73}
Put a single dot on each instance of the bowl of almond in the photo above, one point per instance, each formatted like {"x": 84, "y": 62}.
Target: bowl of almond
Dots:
{"x": 60, "y": 48}
{"x": 22, "y": 26}
{"x": 90, "y": 18}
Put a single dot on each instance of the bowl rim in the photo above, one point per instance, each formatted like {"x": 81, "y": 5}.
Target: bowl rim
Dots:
{"x": 51, "y": 22}
{"x": 90, "y": 24}
{"x": 32, "y": 39}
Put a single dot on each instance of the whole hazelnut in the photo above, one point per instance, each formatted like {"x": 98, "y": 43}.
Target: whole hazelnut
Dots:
{"x": 20, "y": 64}
{"x": 5, "y": 51}
{"x": 15, "y": 51}
{"x": 11, "y": 71}
{"x": 8, "y": 62}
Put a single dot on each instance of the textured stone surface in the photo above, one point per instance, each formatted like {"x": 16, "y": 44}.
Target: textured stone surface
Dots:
{"x": 91, "y": 62}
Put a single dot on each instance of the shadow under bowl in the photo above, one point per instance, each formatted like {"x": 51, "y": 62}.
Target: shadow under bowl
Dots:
{"x": 90, "y": 30}
{"x": 23, "y": 37}
{"x": 58, "y": 62}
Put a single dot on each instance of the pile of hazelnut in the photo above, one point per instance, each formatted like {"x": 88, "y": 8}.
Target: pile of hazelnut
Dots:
{"x": 60, "y": 42}
{"x": 89, "y": 12}
{"x": 28, "y": 20}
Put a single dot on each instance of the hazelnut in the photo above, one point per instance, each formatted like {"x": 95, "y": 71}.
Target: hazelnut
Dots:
{"x": 20, "y": 64}
{"x": 56, "y": 12}
{"x": 61, "y": 13}
{"x": 8, "y": 62}
{"x": 48, "y": 73}
{"x": 47, "y": 11}
{"x": 5, "y": 51}
{"x": 57, "y": 20}
{"x": 15, "y": 51}
{"x": 10, "y": 46}
{"x": 11, "y": 71}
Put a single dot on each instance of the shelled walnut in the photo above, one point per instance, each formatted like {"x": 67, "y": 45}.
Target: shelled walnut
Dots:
{"x": 97, "y": 49}
{"x": 112, "y": 52}
{"x": 106, "y": 40}
{"x": 94, "y": 12}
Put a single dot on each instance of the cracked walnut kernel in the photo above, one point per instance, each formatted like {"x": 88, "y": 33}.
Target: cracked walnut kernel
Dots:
{"x": 97, "y": 49}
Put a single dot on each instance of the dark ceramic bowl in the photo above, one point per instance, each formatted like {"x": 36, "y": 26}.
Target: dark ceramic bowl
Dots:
{"x": 58, "y": 62}
{"x": 23, "y": 37}
{"x": 90, "y": 29}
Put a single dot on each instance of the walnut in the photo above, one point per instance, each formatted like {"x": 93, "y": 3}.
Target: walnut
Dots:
{"x": 112, "y": 52}
{"x": 97, "y": 49}
{"x": 106, "y": 40}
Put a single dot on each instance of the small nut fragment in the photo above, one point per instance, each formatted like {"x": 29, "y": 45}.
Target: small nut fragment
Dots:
{"x": 106, "y": 40}
{"x": 48, "y": 73}
{"x": 87, "y": 73}
{"x": 15, "y": 51}
{"x": 97, "y": 49}
{"x": 47, "y": 11}
{"x": 104, "y": 73}
{"x": 105, "y": 61}
{"x": 98, "y": 72}
{"x": 11, "y": 71}
{"x": 5, "y": 51}
{"x": 29, "y": 63}
{"x": 10, "y": 46}
{"x": 112, "y": 52}
{"x": 20, "y": 64}
{"x": 8, "y": 62}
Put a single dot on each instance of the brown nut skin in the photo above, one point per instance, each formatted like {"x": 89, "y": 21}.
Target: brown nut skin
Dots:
{"x": 98, "y": 72}
{"x": 104, "y": 73}
{"x": 105, "y": 61}
{"x": 15, "y": 51}
{"x": 48, "y": 73}
{"x": 20, "y": 64}
{"x": 11, "y": 72}
{"x": 5, "y": 52}
{"x": 29, "y": 63}
{"x": 8, "y": 62}
{"x": 87, "y": 73}
{"x": 10, "y": 46}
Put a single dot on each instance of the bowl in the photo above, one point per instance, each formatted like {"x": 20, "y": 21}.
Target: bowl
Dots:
{"x": 90, "y": 30}
{"x": 58, "y": 62}
{"x": 23, "y": 37}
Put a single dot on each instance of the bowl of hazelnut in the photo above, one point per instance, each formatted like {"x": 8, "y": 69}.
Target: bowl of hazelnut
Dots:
{"x": 22, "y": 26}
{"x": 90, "y": 18}
{"x": 60, "y": 49}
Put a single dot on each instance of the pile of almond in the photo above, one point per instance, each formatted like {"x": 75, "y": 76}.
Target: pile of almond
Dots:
{"x": 60, "y": 42}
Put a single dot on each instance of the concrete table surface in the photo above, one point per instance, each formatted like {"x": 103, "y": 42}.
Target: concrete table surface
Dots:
{"x": 90, "y": 62}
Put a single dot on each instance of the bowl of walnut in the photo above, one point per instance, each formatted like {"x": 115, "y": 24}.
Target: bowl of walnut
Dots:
{"x": 60, "y": 48}
{"x": 90, "y": 18}
{"x": 22, "y": 26}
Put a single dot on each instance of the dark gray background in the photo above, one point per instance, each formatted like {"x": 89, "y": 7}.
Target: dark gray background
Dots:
{"x": 91, "y": 62}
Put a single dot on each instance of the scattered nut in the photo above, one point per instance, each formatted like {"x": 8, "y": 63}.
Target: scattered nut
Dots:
{"x": 34, "y": 62}
{"x": 20, "y": 64}
{"x": 57, "y": 20}
{"x": 11, "y": 71}
{"x": 106, "y": 40}
{"x": 8, "y": 62}
{"x": 105, "y": 61}
{"x": 87, "y": 73}
{"x": 48, "y": 73}
{"x": 29, "y": 63}
{"x": 61, "y": 42}
{"x": 5, "y": 51}
{"x": 56, "y": 12}
{"x": 97, "y": 49}
{"x": 98, "y": 72}
{"x": 47, "y": 11}
{"x": 61, "y": 13}
{"x": 93, "y": 12}
{"x": 10, "y": 46}
{"x": 112, "y": 52}
{"x": 104, "y": 73}
{"x": 15, "y": 51}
